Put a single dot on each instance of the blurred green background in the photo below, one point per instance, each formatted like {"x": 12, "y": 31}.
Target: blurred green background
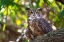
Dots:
{"x": 13, "y": 15}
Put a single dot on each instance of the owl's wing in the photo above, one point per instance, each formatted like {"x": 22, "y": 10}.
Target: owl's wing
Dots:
{"x": 44, "y": 25}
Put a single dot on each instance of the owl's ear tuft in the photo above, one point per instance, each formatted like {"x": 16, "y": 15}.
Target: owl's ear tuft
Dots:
{"x": 40, "y": 9}
{"x": 27, "y": 8}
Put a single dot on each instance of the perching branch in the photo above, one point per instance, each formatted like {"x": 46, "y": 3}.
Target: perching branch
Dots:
{"x": 54, "y": 36}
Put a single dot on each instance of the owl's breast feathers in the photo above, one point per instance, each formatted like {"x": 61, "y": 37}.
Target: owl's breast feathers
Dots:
{"x": 40, "y": 26}
{"x": 44, "y": 25}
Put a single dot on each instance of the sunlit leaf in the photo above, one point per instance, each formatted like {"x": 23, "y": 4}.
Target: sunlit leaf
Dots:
{"x": 62, "y": 6}
{"x": 5, "y": 12}
{"x": 19, "y": 15}
{"x": 41, "y": 3}
{"x": 15, "y": 1}
{"x": 8, "y": 11}
{"x": 24, "y": 17}
{"x": 4, "y": 26}
{"x": 9, "y": 6}
{"x": 25, "y": 25}
{"x": 58, "y": 9}
{"x": 18, "y": 22}
{"x": 54, "y": 4}
{"x": 3, "y": 9}
{"x": 50, "y": 1}
{"x": 23, "y": 9}
{"x": 56, "y": 19}
{"x": 51, "y": 14}
{"x": 13, "y": 15}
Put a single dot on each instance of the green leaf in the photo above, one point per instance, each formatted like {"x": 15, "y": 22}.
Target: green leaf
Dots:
{"x": 4, "y": 26}
{"x": 7, "y": 2}
{"x": 56, "y": 19}
{"x": 41, "y": 3}
{"x": 37, "y": 3}
{"x": 13, "y": 15}
{"x": 61, "y": 14}
{"x": 0, "y": 5}
{"x": 26, "y": 40}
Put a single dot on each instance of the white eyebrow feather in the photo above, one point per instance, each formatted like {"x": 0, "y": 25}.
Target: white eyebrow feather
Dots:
{"x": 30, "y": 18}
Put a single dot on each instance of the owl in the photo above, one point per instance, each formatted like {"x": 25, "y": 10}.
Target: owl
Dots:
{"x": 37, "y": 25}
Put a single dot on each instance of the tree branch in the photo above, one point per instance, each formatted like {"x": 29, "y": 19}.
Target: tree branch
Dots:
{"x": 54, "y": 36}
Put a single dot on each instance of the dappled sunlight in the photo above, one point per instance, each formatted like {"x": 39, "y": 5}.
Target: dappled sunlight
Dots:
{"x": 18, "y": 22}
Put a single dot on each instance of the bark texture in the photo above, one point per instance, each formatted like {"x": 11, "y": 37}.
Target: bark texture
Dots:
{"x": 54, "y": 36}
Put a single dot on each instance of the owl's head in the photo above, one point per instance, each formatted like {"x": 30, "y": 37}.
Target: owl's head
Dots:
{"x": 34, "y": 13}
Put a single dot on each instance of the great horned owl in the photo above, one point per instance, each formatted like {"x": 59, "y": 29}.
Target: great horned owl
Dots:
{"x": 36, "y": 24}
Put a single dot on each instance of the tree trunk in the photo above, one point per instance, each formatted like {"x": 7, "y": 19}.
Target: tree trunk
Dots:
{"x": 54, "y": 36}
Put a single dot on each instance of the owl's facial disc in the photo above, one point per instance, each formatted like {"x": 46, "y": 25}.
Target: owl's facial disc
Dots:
{"x": 33, "y": 14}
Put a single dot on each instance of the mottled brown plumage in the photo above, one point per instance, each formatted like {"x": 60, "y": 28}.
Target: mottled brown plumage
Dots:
{"x": 36, "y": 24}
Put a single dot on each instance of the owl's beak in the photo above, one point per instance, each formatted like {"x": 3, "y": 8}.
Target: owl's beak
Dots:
{"x": 35, "y": 15}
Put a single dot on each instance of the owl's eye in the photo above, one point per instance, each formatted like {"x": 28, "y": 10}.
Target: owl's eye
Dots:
{"x": 31, "y": 11}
